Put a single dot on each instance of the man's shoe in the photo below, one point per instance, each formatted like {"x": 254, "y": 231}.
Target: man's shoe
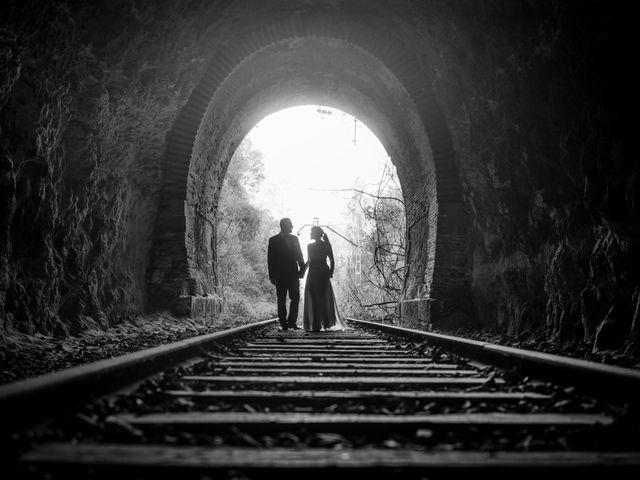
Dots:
{"x": 284, "y": 327}
{"x": 294, "y": 327}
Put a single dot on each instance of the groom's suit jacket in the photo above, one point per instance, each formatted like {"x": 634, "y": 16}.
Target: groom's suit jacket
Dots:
{"x": 284, "y": 258}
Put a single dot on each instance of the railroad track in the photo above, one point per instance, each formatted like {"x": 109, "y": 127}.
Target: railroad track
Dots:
{"x": 259, "y": 403}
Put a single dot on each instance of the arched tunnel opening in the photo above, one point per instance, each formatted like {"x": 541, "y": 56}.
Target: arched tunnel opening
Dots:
{"x": 322, "y": 70}
{"x": 318, "y": 166}
{"x": 507, "y": 124}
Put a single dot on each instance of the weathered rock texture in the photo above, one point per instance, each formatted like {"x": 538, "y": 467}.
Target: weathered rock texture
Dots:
{"x": 507, "y": 121}
{"x": 537, "y": 107}
{"x": 86, "y": 96}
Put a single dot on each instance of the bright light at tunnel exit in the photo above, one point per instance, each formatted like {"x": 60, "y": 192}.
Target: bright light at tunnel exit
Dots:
{"x": 313, "y": 156}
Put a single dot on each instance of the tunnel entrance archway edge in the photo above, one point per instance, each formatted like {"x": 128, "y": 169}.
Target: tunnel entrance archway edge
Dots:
{"x": 172, "y": 276}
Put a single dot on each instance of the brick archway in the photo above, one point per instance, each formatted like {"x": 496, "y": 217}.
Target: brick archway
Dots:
{"x": 324, "y": 57}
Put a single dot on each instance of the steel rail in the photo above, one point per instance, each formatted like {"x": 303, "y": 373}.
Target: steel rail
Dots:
{"x": 25, "y": 403}
{"x": 613, "y": 383}
{"x": 263, "y": 414}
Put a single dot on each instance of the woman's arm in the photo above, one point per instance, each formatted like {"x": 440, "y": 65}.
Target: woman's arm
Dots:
{"x": 299, "y": 259}
{"x": 332, "y": 262}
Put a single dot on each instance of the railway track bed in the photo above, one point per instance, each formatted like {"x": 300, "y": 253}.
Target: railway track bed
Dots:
{"x": 289, "y": 404}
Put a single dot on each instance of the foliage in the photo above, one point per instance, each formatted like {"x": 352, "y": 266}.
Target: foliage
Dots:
{"x": 243, "y": 234}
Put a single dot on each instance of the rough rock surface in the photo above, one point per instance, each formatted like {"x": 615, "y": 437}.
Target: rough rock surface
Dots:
{"x": 537, "y": 112}
{"x": 86, "y": 101}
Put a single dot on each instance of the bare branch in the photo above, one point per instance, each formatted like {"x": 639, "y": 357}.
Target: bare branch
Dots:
{"x": 379, "y": 304}
{"x": 362, "y": 192}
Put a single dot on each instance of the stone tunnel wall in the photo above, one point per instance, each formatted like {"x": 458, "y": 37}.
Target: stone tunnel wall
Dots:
{"x": 533, "y": 94}
{"x": 536, "y": 105}
{"x": 87, "y": 95}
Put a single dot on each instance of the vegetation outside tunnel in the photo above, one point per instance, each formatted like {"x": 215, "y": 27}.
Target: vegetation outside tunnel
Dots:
{"x": 369, "y": 247}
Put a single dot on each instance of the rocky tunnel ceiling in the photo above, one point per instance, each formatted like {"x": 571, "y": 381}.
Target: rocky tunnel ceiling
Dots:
{"x": 507, "y": 122}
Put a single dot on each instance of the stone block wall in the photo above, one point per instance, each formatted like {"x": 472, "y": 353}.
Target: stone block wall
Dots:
{"x": 418, "y": 313}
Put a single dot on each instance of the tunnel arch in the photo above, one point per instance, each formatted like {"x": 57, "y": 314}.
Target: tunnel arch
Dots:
{"x": 321, "y": 59}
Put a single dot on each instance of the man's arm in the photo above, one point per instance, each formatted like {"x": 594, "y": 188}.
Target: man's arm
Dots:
{"x": 271, "y": 260}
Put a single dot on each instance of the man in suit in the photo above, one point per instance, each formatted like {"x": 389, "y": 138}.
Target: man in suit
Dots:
{"x": 286, "y": 268}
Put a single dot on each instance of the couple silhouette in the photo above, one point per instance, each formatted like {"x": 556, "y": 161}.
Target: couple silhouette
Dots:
{"x": 287, "y": 266}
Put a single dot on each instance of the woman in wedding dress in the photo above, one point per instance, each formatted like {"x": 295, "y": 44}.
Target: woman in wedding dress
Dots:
{"x": 320, "y": 308}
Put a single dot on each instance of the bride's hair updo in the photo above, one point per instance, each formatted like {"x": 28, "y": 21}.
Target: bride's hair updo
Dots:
{"x": 317, "y": 232}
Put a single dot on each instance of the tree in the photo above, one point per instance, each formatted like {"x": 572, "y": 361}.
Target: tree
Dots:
{"x": 377, "y": 267}
{"x": 242, "y": 234}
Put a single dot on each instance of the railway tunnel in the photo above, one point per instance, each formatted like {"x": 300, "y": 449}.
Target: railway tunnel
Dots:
{"x": 506, "y": 122}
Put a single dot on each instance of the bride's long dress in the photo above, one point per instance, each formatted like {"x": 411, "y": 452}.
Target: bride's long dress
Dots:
{"x": 320, "y": 307}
